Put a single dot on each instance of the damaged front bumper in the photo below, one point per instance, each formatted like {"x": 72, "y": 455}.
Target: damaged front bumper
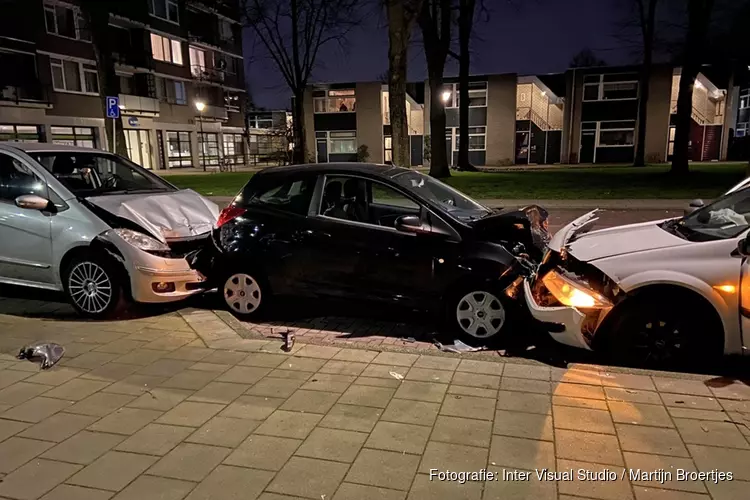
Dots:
{"x": 564, "y": 324}
{"x": 154, "y": 279}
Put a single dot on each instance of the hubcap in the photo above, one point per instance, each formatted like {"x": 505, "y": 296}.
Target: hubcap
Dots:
{"x": 90, "y": 287}
{"x": 480, "y": 314}
{"x": 242, "y": 293}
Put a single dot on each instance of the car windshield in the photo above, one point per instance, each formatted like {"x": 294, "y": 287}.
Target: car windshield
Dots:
{"x": 94, "y": 174}
{"x": 451, "y": 200}
{"x": 727, "y": 217}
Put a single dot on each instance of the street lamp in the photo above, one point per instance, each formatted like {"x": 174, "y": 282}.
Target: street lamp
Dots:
{"x": 446, "y": 96}
{"x": 201, "y": 106}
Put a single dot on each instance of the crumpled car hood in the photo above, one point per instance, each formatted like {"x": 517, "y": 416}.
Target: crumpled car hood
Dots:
{"x": 167, "y": 216}
{"x": 622, "y": 240}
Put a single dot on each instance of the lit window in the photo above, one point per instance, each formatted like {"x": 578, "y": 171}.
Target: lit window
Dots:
{"x": 165, "y": 9}
{"x": 166, "y": 49}
{"x": 74, "y": 76}
{"x": 73, "y": 136}
{"x": 178, "y": 149}
{"x": 336, "y": 101}
{"x": 197, "y": 61}
{"x": 19, "y": 133}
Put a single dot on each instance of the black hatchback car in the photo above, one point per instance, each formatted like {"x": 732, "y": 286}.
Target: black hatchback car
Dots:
{"x": 372, "y": 232}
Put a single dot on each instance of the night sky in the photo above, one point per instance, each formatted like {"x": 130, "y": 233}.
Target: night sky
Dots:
{"x": 534, "y": 37}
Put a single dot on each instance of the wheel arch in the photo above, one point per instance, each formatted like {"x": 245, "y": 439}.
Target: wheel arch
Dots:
{"x": 101, "y": 249}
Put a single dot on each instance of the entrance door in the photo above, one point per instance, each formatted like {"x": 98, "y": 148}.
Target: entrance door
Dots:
{"x": 522, "y": 148}
{"x": 139, "y": 148}
{"x": 588, "y": 146}
{"x": 322, "y": 147}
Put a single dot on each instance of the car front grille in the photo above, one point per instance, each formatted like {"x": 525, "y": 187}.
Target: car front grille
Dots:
{"x": 178, "y": 249}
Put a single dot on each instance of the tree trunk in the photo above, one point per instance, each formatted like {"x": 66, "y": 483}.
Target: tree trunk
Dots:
{"x": 465, "y": 22}
{"x": 643, "y": 84}
{"x": 399, "y": 28}
{"x": 699, "y": 17}
{"x": 300, "y": 153}
{"x": 109, "y": 83}
{"x": 438, "y": 154}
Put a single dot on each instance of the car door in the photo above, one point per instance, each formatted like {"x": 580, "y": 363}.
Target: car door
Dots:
{"x": 25, "y": 234}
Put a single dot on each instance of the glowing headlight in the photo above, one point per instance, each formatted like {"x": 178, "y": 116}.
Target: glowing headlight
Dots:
{"x": 573, "y": 294}
{"x": 140, "y": 240}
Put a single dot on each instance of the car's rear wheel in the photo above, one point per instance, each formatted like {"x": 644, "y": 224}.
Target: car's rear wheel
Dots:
{"x": 93, "y": 287}
{"x": 663, "y": 332}
{"x": 477, "y": 313}
{"x": 245, "y": 293}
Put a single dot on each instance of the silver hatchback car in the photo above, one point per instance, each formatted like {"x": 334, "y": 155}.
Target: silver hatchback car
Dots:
{"x": 97, "y": 227}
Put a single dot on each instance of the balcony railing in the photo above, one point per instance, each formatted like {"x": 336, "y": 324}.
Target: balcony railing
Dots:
{"x": 133, "y": 104}
{"x": 32, "y": 94}
{"x": 212, "y": 113}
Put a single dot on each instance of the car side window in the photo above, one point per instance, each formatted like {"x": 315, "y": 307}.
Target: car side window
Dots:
{"x": 287, "y": 195}
{"x": 360, "y": 200}
{"x": 16, "y": 179}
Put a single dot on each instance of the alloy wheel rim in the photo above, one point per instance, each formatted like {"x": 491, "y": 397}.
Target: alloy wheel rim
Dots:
{"x": 658, "y": 341}
{"x": 90, "y": 287}
{"x": 242, "y": 293}
{"x": 480, "y": 314}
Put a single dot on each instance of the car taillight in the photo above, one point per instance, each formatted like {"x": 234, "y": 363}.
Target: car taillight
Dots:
{"x": 229, "y": 213}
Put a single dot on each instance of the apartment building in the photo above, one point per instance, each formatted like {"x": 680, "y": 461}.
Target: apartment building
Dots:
{"x": 341, "y": 118}
{"x": 600, "y": 119}
{"x": 269, "y": 137}
{"x": 180, "y": 68}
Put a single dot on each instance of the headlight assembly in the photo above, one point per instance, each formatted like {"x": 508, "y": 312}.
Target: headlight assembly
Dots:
{"x": 572, "y": 293}
{"x": 142, "y": 241}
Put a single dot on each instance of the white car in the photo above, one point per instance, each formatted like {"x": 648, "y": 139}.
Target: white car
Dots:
{"x": 657, "y": 292}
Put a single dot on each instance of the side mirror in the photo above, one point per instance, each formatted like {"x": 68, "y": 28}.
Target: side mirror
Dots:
{"x": 696, "y": 203}
{"x": 743, "y": 246}
{"x": 410, "y": 224}
{"x": 32, "y": 202}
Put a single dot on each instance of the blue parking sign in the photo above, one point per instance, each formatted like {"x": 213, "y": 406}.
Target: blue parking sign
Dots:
{"x": 113, "y": 107}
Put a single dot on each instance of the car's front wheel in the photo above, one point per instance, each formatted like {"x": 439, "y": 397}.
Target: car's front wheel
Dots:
{"x": 245, "y": 293}
{"x": 478, "y": 313}
{"x": 93, "y": 287}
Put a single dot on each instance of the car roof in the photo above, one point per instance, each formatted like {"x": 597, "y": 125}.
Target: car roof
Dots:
{"x": 47, "y": 147}
{"x": 343, "y": 167}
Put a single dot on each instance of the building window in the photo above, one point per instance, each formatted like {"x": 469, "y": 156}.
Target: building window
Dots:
{"x": 610, "y": 87}
{"x": 65, "y": 20}
{"x": 178, "y": 149}
{"x": 743, "y": 130}
{"x": 745, "y": 99}
{"x": 197, "y": 62}
{"x": 165, "y": 49}
{"x": 477, "y": 95}
{"x": 19, "y": 133}
{"x": 477, "y": 138}
{"x": 225, "y": 30}
{"x": 73, "y": 136}
{"x": 260, "y": 120}
{"x": 234, "y": 148}
{"x": 335, "y": 101}
{"x": 232, "y": 102}
{"x": 171, "y": 91}
{"x": 616, "y": 134}
{"x": 165, "y": 9}
{"x": 388, "y": 149}
{"x": 74, "y": 76}
{"x": 342, "y": 143}
{"x": 208, "y": 145}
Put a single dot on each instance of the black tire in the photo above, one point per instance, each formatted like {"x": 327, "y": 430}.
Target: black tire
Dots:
{"x": 481, "y": 321}
{"x": 245, "y": 293}
{"x": 94, "y": 287}
{"x": 673, "y": 330}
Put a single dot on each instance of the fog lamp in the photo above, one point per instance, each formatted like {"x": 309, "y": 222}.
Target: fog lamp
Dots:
{"x": 163, "y": 287}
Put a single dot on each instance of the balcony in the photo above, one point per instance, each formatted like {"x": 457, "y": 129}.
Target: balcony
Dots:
{"x": 32, "y": 95}
{"x": 212, "y": 113}
{"x": 137, "y": 105}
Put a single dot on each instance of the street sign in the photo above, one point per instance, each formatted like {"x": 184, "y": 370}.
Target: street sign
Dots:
{"x": 113, "y": 107}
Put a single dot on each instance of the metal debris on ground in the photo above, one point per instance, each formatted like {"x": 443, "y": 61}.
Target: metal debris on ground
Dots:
{"x": 288, "y": 341}
{"x": 458, "y": 347}
{"x": 409, "y": 340}
{"x": 396, "y": 375}
{"x": 44, "y": 353}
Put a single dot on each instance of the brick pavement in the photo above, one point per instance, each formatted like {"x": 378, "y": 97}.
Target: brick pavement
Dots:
{"x": 180, "y": 406}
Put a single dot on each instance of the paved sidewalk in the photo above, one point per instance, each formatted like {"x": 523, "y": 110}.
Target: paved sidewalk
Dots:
{"x": 180, "y": 406}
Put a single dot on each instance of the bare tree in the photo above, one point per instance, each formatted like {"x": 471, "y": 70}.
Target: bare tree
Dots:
{"x": 292, "y": 32}
{"x": 586, "y": 59}
{"x": 96, "y": 16}
{"x": 401, "y": 17}
{"x": 699, "y": 18}
{"x": 435, "y": 20}
{"x": 646, "y": 10}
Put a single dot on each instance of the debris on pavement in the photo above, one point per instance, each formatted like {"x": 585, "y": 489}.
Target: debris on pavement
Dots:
{"x": 396, "y": 375}
{"x": 288, "y": 341}
{"x": 47, "y": 354}
{"x": 458, "y": 347}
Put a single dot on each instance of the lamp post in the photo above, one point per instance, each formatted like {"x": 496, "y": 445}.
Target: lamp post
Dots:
{"x": 201, "y": 106}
